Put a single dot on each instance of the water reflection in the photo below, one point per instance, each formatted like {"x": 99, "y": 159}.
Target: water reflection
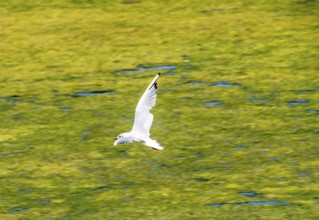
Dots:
{"x": 213, "y": 103}
{"x": 142, "y": 68}
{"x": 225, "y": 84}
{"x": 93, "y": 93}
{"x": 249, "y": 194}
{"x": 270, "y": 202}
{"x": 19, "y": 210}
{"x": 298, "y": 102}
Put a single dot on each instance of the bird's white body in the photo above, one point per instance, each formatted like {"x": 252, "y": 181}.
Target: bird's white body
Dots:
{"x": 143, "y": 120}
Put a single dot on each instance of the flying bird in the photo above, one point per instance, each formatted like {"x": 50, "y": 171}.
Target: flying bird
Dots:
{"x": 143, "y": 120}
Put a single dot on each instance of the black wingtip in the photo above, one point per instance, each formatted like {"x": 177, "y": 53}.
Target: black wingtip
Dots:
{"x": 158, "y": 74}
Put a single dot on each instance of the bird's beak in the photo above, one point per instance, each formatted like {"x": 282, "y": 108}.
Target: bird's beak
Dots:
{"x": 115, "y": 139}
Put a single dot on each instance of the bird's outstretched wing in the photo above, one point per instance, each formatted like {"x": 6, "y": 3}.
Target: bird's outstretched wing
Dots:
{"x": 143, "y": 117}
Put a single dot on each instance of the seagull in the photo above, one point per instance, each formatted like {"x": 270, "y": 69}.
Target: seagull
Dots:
{"x": 143, "y": 120}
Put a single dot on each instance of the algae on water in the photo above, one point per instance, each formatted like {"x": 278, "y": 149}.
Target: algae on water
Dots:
{"x": 237, "y": 109}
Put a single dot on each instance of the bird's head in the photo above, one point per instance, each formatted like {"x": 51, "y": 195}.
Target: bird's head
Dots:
{"x": 118, "y": 138}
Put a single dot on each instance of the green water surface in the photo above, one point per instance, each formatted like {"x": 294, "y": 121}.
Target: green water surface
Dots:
{"x": 237, "y": 109}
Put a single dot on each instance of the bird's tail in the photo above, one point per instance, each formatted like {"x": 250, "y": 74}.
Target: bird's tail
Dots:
{"x": 153, "y": 144}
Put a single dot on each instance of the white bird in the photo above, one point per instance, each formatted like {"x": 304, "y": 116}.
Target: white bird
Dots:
{"x": 143, "y": 120}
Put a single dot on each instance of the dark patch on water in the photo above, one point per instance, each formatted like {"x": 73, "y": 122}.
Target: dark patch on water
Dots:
{"x": 258, "y": 100}
{"x": 194, "y": 82}
{"x": 103, "y": 188}
{"x": 294, "y": 164}
{"x": 31, "y": 99}
{"x": 184, "y": 99}
{"x": 16, "y": 98}
{"x": 271, "y": 202}
{"x": 93, "y": 93}
{"x": 159, "y": 167}
{"x": 214, "y": 10}
{"x": 19, "y": 210}
{"x": 272, "y": 159}
{"x": 225, "y": 84}
{"x": 201, "y": 179}
{"x": 312, "y": 111}
{"x": 122, "y": 152}
{"x": 304, "y": 174}
{"x": 11, "y": 153}
{"x": 170, "y": 73}
{"x": 156, "y": 168}
{"x": 297, "y": 102}
{"x": 303, "y": 91}
{"x": 240, "y": 147}
{"x": 217, "y": 84}
{"x": 128, "y": 2}
{"x": 12, "y": 99}
{"x": 248, "y": 194}
{"x": 127, "y": 186}
{"x": 84, "y": 135}
{"x": 17, "y": 117}
{"x": 142, "y": 68}
{"x": 213, "y": 103}
{"x": 44, "y": 200}
{"x": 65, "y": 108}
{"x": 25, "y": 191}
